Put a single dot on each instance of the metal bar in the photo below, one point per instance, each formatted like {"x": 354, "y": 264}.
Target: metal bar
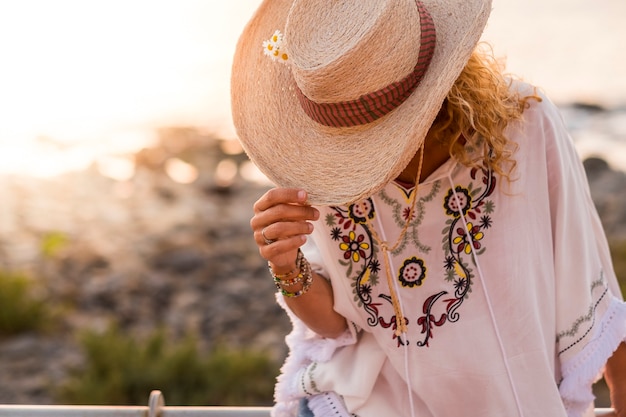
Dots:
{"x": 114, "y": 411}
{"x": 71, "y": 411}
{"x": 156, "y": 408}
{"x": 215, "y": 412}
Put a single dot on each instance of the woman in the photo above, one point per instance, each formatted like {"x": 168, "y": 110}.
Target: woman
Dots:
{"x": 432, "y": 236}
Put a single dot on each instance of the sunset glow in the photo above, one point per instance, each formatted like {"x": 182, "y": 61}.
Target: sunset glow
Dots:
{"x": 76, "y": 76}
{"x": 83, "y": 79}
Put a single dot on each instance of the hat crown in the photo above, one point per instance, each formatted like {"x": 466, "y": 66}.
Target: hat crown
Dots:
{"x": 361, "y": 47}
{"x": 341, "y": 50}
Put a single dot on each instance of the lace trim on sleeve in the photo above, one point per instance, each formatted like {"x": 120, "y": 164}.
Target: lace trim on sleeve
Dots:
{"x": 581, "y": 371}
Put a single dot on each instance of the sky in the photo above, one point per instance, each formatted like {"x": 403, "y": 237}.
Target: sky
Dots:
{"x": 97, "y": 76}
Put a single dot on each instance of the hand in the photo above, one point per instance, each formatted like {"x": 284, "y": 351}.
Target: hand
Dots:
{"x": 615, "y": 376}
{"x": 282, "y": 216}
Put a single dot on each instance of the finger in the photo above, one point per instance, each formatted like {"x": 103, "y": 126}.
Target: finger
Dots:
{"x": 282, "y": 230}
{"x": 282, "y": 252}
{"x": 277, "y": 196}
{"x": 266, "y": 239}
{"x": 283, "y": 213}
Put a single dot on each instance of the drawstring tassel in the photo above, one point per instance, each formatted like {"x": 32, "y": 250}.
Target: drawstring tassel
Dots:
{"x": 397, "y": 308}
{"x": 401, "y": 327}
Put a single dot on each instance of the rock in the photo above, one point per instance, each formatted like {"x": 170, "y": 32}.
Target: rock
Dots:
{"x": 589, "y": 107}
{"x": 179, "y": 260}
{"x": 36, "y": 364}
{"x": 608, "y": 188}
{"x": 595, "y": 167}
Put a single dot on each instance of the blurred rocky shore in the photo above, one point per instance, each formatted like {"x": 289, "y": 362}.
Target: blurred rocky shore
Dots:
{"x": 151, "y": 251}
{"x": 144, "y": 253}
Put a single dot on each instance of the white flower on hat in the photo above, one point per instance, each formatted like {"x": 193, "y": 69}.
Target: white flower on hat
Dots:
{"x": 277, "y": 38}
{"x": 273, "y": 47}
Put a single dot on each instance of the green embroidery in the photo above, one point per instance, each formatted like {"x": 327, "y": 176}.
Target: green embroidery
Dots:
{"x": 574, "y": 329}
{"x": 400, "y": 213}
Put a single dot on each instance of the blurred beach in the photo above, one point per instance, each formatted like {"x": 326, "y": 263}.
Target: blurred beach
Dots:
{"x": 82, "y": 80}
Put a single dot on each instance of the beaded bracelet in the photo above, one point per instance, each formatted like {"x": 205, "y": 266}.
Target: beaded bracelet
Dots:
{"x": 283, "y": 276}
{"x": 280, "y": 277}
{"x": 280, "y": 282}
{"x": 289, "y": 282}
{"x": 304, "y": 277}
{"x": 307, "y": 279}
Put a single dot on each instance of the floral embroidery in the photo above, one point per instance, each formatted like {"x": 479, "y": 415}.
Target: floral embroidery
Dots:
{"x": 358, "y": 254}
{"x": 406, "y": 213}
{"x": 354, "y": 246}
{"x": 365, "y": 276}
{"x": 463, "y": 204}
{"x": 401, "y": 213}
{"x": 362, "y": 212}
{"x": 485, "y": 222}
{"x": 458, "y": 243}
{"x": 429, "y": 320}
{"x": 412, "y": 272}
{"x": 466, "y": 241}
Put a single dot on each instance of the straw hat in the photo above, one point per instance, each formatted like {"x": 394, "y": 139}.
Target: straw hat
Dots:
{"x": 336, "y": 97}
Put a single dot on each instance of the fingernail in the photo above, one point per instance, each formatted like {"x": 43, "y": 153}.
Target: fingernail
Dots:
{"x": 302, "y": 195}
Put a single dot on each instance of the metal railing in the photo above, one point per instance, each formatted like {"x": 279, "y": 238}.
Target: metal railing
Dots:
{"x": 156, "y": 408}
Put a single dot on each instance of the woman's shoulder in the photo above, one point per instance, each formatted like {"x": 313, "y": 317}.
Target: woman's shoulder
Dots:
{"x": 541, "y": 134}
{"x": 539, "y": 105}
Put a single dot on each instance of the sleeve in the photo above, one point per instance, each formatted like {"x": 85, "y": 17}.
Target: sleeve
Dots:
{"x": 590, "y": 312}
{"x": 305, "y": 347}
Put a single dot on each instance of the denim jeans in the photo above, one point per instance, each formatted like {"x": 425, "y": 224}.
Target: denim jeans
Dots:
{"x": 303, "y": 409}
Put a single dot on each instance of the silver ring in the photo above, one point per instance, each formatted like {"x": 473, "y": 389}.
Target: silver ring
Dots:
{"x": 267, "y": 241}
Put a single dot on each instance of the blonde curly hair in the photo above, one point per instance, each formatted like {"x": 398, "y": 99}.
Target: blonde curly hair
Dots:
{"x": 476, "y": 111}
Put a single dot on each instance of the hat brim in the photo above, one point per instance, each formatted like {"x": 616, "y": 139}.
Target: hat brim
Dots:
{"x": 342, "y": 165}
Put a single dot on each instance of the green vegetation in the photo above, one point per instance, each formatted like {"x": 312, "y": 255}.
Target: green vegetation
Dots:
{"x": 52, "y": 243}
{"x": 19, "y": 310}
{"x": 122, "y": 370}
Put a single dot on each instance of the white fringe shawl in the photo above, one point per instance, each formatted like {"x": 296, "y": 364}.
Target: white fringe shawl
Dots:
{"x": 305, "y": 347}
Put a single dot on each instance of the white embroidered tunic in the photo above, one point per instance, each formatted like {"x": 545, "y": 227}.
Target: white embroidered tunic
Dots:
{"x": 507, "y": 289}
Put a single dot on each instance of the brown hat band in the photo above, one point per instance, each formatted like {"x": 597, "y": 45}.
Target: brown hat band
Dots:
{"x": 372, "y": 106}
